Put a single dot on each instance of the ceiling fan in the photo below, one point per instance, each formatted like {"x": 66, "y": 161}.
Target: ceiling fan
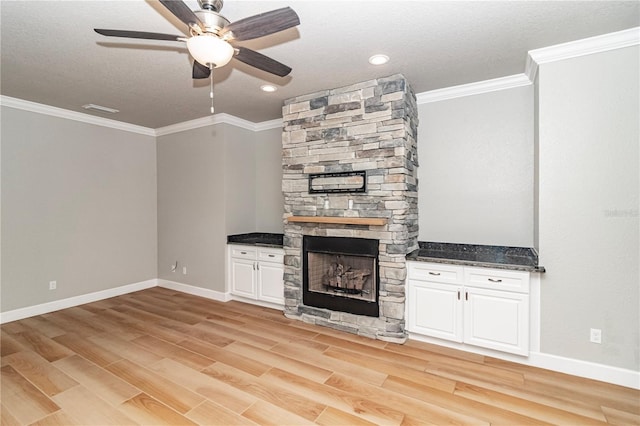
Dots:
{"x": 212, "y": 37}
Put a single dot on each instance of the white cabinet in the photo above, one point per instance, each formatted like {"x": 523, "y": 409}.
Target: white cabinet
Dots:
{"x": 257, "y": 273}
{"x": 477, "y": 306}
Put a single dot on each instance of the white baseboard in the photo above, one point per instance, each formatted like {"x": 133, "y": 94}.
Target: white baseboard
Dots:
{"x": 56, "y": 305}
{"x": 196, "y": 291}
{"x": 575, "y": 367}
{"x": 590, "y": 370}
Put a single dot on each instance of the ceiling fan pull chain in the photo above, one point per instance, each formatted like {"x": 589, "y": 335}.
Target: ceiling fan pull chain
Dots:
{"x": 211, "y": 92}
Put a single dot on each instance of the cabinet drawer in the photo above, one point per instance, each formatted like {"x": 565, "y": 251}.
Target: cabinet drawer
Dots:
{"x": 243, "y": 252}
{"x": 497, "y": 279}
{"x": 436, "y": 272}
{"x": 271, "y": 255}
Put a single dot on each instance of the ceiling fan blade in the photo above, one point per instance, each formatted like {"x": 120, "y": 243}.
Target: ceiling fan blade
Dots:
{"x": 260, "y": 61}
{"x": 139, "y": 34}
{"x": 263, "y": 24}
{"x": 182, "y": 12}
{"x": 200, "y": 71}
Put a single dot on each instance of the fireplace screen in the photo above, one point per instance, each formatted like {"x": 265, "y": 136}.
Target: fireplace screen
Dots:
{"x": 341, "y": 274}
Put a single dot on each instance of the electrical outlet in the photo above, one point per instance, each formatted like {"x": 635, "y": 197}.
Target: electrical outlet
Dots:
{"x": 184, "y": 270}
{"x": 596, "y": 335}
{"x": 53, "y": 285}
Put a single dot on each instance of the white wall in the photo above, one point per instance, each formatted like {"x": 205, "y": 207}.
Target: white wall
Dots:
{"x": 78, "y": 207}
{"x": 589, "y": 226}
{"x": 476, "y": 169}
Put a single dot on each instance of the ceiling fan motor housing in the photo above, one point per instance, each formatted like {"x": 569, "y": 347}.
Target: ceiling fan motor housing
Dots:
{"x": 214, "y": 5}
{"x": 213, "y": 22}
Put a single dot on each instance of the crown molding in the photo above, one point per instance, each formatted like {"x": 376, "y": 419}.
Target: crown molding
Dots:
{"x": 218, "y": 119}
{"x": 73, "y": 115}
{"x": 267, "y": 125}
{"x": 574, "y": 49}
{"x": 476, "y": 88}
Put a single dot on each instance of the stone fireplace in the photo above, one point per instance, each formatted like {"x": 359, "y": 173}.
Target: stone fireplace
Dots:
{"x": 369, "y": 130}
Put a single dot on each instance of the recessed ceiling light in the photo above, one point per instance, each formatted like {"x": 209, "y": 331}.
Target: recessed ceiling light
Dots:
{"x": 268, "y": 88}
{"x": 378, "y": 59}
{"x": 100, "y": 108}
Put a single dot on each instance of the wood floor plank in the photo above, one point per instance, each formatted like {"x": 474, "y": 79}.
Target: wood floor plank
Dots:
{"x": 372, "y": 352}
{"x": 158, "y": 356}
{"x": 334, "y": 417}
{"x": 175, "y": 352}
{"x": 618, "y": 417}
{"x": 209, "y": 387}
{"x": 267, "y": 414}
{"x": 47, "y": 348}
{"x": 265, "y": 390}
{"x": 210, "y": 413}
{"x": 488, "y": 412}
{"x": 101, "y": 382}
{"x": 197, "y": 333}
{"x": 80, "y": 403}
{"x": 390, "y": 367}
{"x": 345, "y": 402}
{"x": 273, "y": 359}
{"x": 59, "y": 418}
{"x": 149, "y": 411}
{"x": 417, "y": 408}
{"x": 45, "y": 376}
{"x": 43, "y": 326}
{"x": 170, "y": 393}
{"x": 246, "y": 364}
{"x": 524, "y": 407}
{"x": 90, "y": 350}
{"x": 125, "y": 348}
{"x": 6, "y": 418}
{"x": 236, "y": 335}
{"x": 298, "y": 350}
{"x": 21, "y": 399}
{"x": 9, "y": 344}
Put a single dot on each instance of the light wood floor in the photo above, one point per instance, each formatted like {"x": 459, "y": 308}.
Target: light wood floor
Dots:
{"x": 162, "y": 357}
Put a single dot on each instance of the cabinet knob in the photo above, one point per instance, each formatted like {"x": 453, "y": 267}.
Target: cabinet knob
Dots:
{"x": 434, "y": 273}
{"x": 493, "y": 280}
{"x": 272, "y": 255}
{"x": 243, "y": 252}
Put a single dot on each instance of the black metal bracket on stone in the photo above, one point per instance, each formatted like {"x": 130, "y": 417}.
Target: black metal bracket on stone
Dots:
{"x": 338, "y": 183}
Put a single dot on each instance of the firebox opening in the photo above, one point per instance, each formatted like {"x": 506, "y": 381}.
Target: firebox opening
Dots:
{"x": 341, "y": 274}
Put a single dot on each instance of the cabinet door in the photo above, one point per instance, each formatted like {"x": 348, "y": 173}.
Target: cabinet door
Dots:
{"x": 435, "y": 310}
{"x": 497, "y": 320}
{"x": 243, "y": 277}
{"x": 271, "y": 282}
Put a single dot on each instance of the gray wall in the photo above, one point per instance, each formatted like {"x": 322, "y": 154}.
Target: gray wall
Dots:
{"x": 269, "y": 196}
{"x": 191, "y": 207}
{"x": 78, "y": 207}
{"x": 476, "y": 169}
{"x": 214, "y": 181}
{"x": 588, "y": 206}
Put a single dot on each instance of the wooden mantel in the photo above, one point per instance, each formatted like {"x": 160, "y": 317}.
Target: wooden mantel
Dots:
{"x": 372, "y": 221}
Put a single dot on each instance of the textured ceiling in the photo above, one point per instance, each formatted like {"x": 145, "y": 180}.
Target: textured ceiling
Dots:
{"x": 51, "y": 55}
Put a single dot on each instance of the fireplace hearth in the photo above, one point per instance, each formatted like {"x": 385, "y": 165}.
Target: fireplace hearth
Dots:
{"x": 341, "y": 274}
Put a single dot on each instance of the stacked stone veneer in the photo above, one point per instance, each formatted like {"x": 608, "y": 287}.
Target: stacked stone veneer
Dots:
{"x": 368, "y": 126}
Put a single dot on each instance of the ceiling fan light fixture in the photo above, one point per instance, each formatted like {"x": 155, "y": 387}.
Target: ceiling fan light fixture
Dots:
{"x": 378, "y": 59}
{"x": 209, "y": 49}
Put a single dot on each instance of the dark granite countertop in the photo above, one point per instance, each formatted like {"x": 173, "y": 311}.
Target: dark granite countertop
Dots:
{"x": 262, "y": 239}
{"x": 499, "y": 257}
